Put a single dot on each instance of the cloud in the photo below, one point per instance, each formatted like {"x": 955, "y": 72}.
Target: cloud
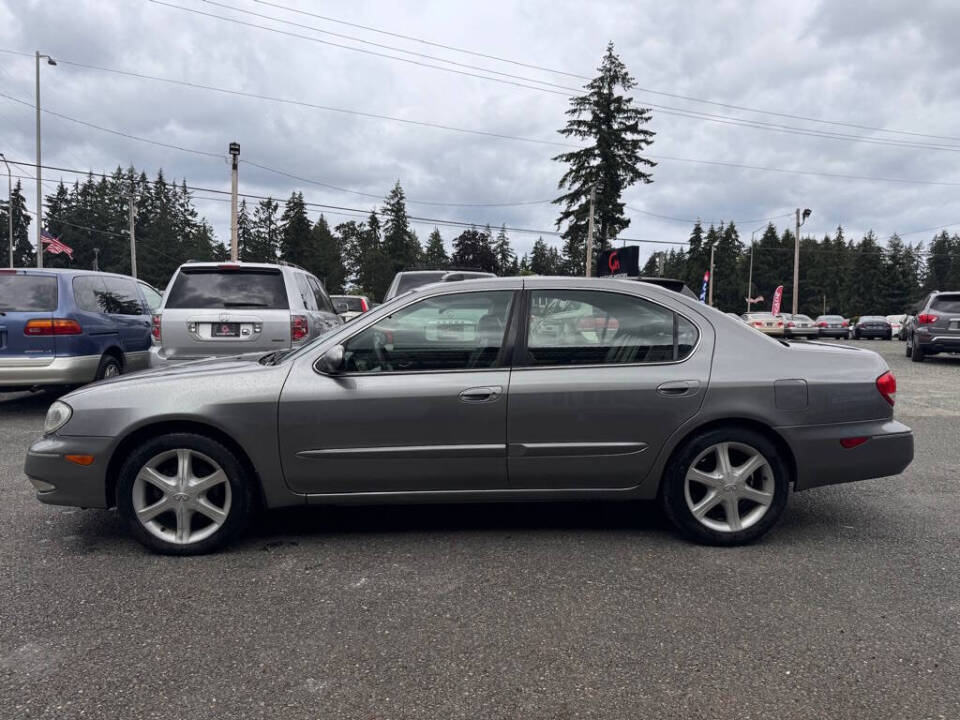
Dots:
{"x": 886, "y": 65}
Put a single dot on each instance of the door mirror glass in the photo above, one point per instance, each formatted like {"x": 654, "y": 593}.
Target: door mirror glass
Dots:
{"x": 331, "y": 362}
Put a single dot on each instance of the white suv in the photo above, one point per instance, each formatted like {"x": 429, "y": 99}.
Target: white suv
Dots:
{"x": 212, "y": 309}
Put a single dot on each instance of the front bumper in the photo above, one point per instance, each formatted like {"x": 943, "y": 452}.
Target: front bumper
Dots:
{"x": 822, "y": 460}
{"x": 27, "y": 373}
{"x": 873, "y": 333}
{"x": 60, "y": 482}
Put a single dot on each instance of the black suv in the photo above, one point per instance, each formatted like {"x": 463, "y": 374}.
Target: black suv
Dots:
{"x": 934, "y": 327}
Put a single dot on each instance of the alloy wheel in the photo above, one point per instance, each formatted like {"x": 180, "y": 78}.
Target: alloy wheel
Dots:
{"x": 181, "y": 496}
{"x": 729, "y": 487}
{"x": 111, "y": 370}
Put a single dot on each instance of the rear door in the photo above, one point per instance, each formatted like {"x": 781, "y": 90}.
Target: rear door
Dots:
{"x": 132, "y": 320}
{"x": 225, "y": 310}
{"x": 602, "y": 380}
{"x": 26, "y": 296}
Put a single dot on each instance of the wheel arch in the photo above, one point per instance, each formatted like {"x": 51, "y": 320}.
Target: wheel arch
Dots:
{"x": 166, "y": 427}
{"x": 116, "y": 352}
{"x": 733, "y": 422}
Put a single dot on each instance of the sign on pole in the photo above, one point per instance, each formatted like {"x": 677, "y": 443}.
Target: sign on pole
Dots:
{"x": 620, "y": 262}
{"x": 777, "y": 297}
{"x": 703, "y": 290}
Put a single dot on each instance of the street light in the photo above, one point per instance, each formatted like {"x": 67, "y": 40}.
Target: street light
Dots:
{"x": 9, "y": 206}
{"x": 50, "y": 61}
{"x": 801, "y": 219}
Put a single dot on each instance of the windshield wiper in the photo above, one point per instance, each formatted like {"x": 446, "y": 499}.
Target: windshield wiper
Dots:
{"x": 274, "y": 357}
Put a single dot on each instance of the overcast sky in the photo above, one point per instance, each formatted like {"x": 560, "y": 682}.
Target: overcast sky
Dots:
{"x": 890, "y": 65}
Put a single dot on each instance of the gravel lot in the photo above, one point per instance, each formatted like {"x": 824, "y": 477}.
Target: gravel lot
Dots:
{"x": 850, "y": 608}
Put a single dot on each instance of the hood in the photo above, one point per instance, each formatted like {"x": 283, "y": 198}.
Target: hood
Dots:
{"x": 214, "y": 366}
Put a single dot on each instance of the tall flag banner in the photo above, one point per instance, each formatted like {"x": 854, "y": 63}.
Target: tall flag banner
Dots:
{"x": 53, "y": 245}
{"x": 703, "y": 290}
{"x": 777, "y": 297}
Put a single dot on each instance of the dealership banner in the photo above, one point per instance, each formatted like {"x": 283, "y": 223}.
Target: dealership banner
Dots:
{"x": 777, "y": 297}
{"x": 703, "y": 290}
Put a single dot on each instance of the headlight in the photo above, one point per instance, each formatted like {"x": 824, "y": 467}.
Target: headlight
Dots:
{"x": 57, "y": 416}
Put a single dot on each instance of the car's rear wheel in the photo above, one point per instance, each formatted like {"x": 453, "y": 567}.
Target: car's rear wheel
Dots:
{"x": 184, "y": 494}
{"x": 725, "y": 487}
{"x": 109, "y": 367}
{"x": 916, "y": 352}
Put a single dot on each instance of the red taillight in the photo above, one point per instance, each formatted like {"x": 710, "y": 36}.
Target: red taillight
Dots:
{"x": 926, "y": 319}
{"x": 52, "y": 326}
{"x": 821, "y": 324}
{"x": 363, "y": 305}
{"x": 298, "y": 327}
{"x": 8, "y": 272}
{"x": 852, "y": 442}
{"x": 155, "y": 329}
{"x": 887, "y": 385}
{"x": 790, "y": 324}
{"x": 228, "y": 266}
{"x": 845, "y": 323}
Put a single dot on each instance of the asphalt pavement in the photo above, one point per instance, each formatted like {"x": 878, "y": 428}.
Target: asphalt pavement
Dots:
{"x": 850, "y": 608}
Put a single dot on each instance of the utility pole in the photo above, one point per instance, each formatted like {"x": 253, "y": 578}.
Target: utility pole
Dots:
{"x": 824, "y": 304}
{"x": 710, "y": 286}
{"x": 133, "y": 230}
{"x": 50, "y": 61}
{"x": 801, "y": 219}
{"x": 593, "y": 199}
{"x": 235, "y": 159}
{"x": 750, "y": 277}
{"x": 9, "y": 207}
{"x": 96, "y": 258}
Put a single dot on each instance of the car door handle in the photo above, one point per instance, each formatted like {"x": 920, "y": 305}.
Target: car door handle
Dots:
{"x": 679, "y": 388}
{"x": 487, "y": 393}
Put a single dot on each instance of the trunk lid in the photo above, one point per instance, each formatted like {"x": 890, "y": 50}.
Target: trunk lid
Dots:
{"x": 225, "y": 310}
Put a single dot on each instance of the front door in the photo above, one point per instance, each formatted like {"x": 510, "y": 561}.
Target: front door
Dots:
{"x": 602, "y": 381}
{"x": 420, "y": 405}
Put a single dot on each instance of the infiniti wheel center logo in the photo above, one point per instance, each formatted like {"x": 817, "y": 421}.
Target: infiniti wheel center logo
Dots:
{"x": 181, "y": 497}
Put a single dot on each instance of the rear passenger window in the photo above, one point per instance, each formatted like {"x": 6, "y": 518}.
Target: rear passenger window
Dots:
{"x": 89, "y": 292}
{"x": 121, "y": 297}
{"x": 306, "y": 293}
{"x": 323, "y": 300}
{"x": 583, "y": 327}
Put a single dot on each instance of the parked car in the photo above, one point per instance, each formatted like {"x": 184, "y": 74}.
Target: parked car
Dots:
{"x": 213, "y": 309}
{"x": 411, "y": 279}
{"x": 612, "y": 390}
{"x": 907, "y": 326}
{"x": 70, "y": 327}
{"x": 767, "y": 323}
{"x": 350, "y": 306}
{"x": 896, "y": 323}
{"x": 872, "y": 326}
{"x": 935, "y": 327}
{"x": 835, "y": 326}
{"x": 799, "y": 326}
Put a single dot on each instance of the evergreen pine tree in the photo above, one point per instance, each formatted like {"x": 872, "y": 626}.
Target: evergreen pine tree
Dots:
{"x": 504, "y": 253}
{"x": 329, "y": 265}
{"x": 400, "y": 243}
{"x": 296, "y": 243}
{"x": 23, "y": 253}
{"x": 435, "y": 255}
{"x": 610, "y": 163}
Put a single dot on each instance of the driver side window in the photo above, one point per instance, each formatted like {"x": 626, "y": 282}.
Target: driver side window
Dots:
{"x": 462, "y": 331}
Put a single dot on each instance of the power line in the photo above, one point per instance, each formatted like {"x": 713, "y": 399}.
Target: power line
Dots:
{"x": 549, "y": 87}
{"x": 791, "y": 116}
{"x": 438, "y": 126}
{"x": 699, "y": 220}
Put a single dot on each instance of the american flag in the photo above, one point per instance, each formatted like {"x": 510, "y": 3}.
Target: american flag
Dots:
{"x": 53, "y": 245}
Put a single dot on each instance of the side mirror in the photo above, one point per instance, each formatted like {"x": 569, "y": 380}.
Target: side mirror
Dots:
{"x": 341, "y": 307}
{"x": 331, "y": 362}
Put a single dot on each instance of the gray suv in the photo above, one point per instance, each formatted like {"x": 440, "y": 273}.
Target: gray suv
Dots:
{"x": 212, "y": 309}
{"x": 934, "y": 327}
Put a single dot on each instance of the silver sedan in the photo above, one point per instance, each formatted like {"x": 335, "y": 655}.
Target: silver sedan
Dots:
{"x": 493, "y": 390}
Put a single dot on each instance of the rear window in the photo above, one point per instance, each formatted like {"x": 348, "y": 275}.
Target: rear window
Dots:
{"x": 409, "y": 282}
{"x": 943, "y": 303}
{"x": 353, "y": 302}
{"x": 28, "y": 293}
{"x": 203, "y": 288}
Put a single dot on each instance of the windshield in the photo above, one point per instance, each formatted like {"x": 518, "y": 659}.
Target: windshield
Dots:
{"x": 353, "y": 302}
{"x": 205, "y": 288}
{"x": 28, "y": 293}
{"x": 409, "y": 281}
{"x": 872, "y": 318}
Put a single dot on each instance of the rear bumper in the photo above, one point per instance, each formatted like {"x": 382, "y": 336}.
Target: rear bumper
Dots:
{"x": 59, "y": 482}
{"x": 78, "y": 370}
{"x": 802, "y": 332}
{"x": 938, "y": 343}
{"x": 833, "y": 332}
{"x": 822, "y": 460}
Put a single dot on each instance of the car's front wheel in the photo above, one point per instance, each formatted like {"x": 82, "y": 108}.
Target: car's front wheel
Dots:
{"x": 725, "y": 487}
{"x": 184, "y": 494}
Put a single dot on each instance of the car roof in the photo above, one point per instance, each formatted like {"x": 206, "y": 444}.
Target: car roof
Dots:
{"x": 73, "y": 272}
{"x": 215, "y": 264}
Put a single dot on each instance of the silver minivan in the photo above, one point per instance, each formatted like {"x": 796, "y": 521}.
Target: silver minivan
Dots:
{"x": 230, "y": 308}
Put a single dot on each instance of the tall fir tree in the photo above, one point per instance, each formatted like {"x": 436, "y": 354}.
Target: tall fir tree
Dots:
{"x": 23, "y": 253}
{"x": 435, "y": 254}
{"x": 400, "y": 243}
{"x": 296, "y": 240}
{"x": 329, "y": 267}
{"x": 506, "y": 258}
{"x": 265, "y": 232}
{"x": 612, "y": 161}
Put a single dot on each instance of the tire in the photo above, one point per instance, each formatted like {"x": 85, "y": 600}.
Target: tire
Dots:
{"x": 110, "y": 366}
{"x": 192, "y": 521}
{"x": 679, "y": 497}
{"x": 916, "y": 353}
